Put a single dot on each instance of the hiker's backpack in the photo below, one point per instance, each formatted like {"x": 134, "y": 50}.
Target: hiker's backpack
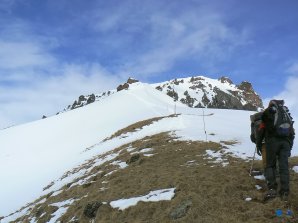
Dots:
{"x": 283, "y": 122}
{"x": 256, "y": 120}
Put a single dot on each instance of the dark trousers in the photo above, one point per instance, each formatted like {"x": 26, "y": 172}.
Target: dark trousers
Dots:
{"x": 277, "y": 149}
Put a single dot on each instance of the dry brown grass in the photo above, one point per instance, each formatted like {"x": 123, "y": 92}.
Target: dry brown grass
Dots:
{"x": 137, "y": 126}
{"x": 217, "y": 193}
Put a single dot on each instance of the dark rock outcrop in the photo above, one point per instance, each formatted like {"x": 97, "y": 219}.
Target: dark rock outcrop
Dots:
{"x": 91, "y": 99}
{"x": 133, "y": 158}
{"x": 180, "y": 210}
{"x": 224, "y": 100}
{"x": 188, "y": 100}
{"x": 91, "y": 209}
{"x": 124, "y": 86}
{"x": 131, "y": 80}
{"x": 173, "y": 94}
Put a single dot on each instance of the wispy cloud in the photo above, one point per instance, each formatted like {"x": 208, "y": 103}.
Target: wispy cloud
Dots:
{"x": 46, "y": 95}
{"x": 202, "y": 38}
{"x": 289, "y": 92}
{"x": 33, "y": 82}
{"x": 16, "y": 55}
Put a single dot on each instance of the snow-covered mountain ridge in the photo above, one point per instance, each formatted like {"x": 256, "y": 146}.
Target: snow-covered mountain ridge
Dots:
{"x": 195, "y": 92}
{"x": 80, "y": 166}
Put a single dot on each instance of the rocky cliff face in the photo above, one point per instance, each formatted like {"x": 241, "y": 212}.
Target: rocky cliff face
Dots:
{"x": 206, "y": 92}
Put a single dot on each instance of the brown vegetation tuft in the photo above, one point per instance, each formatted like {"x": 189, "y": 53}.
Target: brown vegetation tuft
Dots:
{"x": 137, "y": 126}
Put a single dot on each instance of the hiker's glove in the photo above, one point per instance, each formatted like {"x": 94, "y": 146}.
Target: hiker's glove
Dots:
{"x": 259, "y": 150}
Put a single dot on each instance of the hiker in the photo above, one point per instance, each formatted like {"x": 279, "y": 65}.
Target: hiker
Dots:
{"x": 277, "y": 130}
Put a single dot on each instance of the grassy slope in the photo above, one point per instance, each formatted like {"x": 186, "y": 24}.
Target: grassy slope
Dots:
{"x": 214, "y": 193}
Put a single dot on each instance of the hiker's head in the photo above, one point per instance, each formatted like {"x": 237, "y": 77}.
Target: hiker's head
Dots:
{"x": 275, "y": 102}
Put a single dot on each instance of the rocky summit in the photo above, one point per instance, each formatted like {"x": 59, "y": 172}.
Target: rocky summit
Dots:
{"x": 222, "y": 93}
{"x": 196, "y": 92}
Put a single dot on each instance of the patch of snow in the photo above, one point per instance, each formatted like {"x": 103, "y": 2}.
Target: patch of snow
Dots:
{"x": 56, "y": 193}
{"x": 58, "y": 214}
{"x": 260, "y": 177}
{"x": 121, "y": 164}
{"x": 153, "y": 196}
{"x": 248, "y": 199}
{"x": 148, "y": 154}
{"x": 130, "y": 148}
{"x": 63, "y": 206}
{"x": 218, "y": 156}
{"x": 41, "y": 201}
{"x": 103, "y": 188}
{"x": 74, "y": 219}
{"x": 191, "y": 161}
{"x": 82, "y": 181}
{"x": 258, "y": 187}
{"x": 295, "y": 168}
{"x": 110, "y": 173}
{"x": 146, "y": 150}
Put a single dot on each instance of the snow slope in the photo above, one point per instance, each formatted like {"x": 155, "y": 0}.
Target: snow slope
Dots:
{"x": 35, "y": 154}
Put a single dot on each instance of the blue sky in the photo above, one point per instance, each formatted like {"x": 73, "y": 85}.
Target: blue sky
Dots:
{"x": 52, "y": 51}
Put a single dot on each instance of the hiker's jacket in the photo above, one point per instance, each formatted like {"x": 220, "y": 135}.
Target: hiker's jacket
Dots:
{"x": 267, "y": 130}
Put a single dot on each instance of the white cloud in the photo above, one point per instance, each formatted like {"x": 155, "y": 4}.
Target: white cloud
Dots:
{"x": 47, "y": 95}
{"x": 14, "y": 55}
{"x": 290, "y": 92}
{"x": 33, "y": 82}
{"x": 293, "y": 69}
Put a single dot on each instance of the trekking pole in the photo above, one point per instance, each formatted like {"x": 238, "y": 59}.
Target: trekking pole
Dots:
{"x": 204, "y": 124}
{"x": 252, "y": 162}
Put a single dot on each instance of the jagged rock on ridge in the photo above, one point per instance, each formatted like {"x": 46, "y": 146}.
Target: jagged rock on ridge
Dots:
{"x": 91, "y": 99}
{"x": 123, "y": 87}
{"x": 225, "y": 80}
{"x": 131, "y": 80}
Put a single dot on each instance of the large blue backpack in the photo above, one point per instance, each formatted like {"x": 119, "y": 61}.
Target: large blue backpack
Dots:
{"x": 283, "y": 122}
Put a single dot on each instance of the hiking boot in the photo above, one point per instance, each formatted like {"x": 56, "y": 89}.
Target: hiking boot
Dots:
{"x": 270, "y": 194}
